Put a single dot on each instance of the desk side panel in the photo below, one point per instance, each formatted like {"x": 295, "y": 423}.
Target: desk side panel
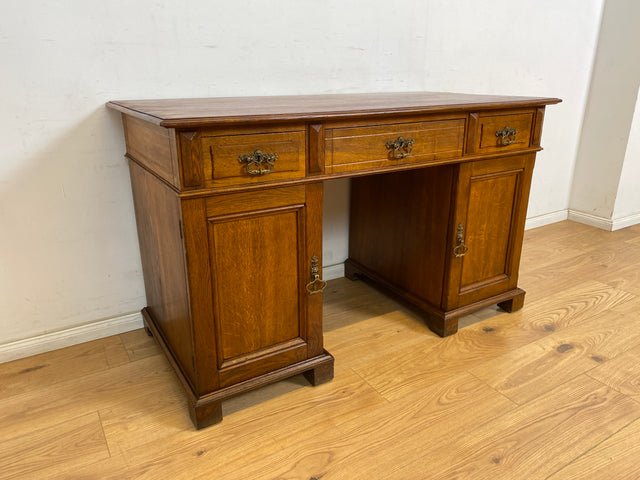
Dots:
{"x": 153, "y": 147}
{"x": 157, "y": 209}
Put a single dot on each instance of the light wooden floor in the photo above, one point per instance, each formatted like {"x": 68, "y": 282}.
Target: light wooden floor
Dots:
{"x": 552, "y": 391}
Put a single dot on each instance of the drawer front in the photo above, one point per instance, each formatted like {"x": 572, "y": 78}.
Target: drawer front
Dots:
{"x": 357, "y": 148}
{"x": 500, "y": 132}
{"x": 253, "y": 158}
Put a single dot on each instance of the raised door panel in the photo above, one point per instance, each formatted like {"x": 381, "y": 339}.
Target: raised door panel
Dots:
{"x": 488, "y": 227}
{"x": 491, "y": 205}
{"x": 256, "y": 272}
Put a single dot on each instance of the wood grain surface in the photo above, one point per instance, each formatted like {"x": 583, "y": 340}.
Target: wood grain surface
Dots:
{"x": 207, "y": 111}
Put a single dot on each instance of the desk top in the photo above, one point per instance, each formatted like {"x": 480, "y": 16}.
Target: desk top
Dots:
{"x": 190, "y": 112}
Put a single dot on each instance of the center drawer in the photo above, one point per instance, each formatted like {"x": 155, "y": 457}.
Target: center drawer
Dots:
{"x": 375, "y": 146}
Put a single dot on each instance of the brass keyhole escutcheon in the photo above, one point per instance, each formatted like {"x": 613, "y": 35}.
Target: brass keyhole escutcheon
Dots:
{"x": 258, "y": 162}
{"x": 316, "y": 285}
{"x": 460, "y": 250}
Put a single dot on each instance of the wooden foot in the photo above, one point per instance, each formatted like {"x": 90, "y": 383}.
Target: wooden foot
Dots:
{"x": 350, "y": 271}
{"x": 205, "y": 415}
{"x": 146, "y": 325}
{"x": 513, "y": 305}
{"x": 321, "y": 374}
{"x": 443, "y": 326}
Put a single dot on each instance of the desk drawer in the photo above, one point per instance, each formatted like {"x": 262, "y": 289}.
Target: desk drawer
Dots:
{"x": 253, "y": 157}
{"x": 355, "y": 148}
{"x": 500, "y": 132}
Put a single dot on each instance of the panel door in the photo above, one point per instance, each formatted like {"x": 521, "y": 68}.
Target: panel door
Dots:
{"x": 487, "y": 228}
{"x": 259, "y": 251}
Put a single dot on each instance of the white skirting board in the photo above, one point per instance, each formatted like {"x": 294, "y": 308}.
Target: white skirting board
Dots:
{"x": 331, "y": 272}
{"x": 546, "y": 219}
{"x": 71, "y": 336}
{"x": 604, "y": 223}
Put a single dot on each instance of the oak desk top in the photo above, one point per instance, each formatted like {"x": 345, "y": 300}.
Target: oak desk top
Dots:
{"x": 191, "y": 112}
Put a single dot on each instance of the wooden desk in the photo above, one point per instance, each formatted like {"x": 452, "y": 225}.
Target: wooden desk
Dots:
{"x": 228, "y": 202}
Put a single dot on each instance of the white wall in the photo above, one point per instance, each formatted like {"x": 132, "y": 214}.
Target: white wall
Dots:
{"x": 627, "y": 206}
{"x": 608, "y": 116}
{"x": 68, "y": 248}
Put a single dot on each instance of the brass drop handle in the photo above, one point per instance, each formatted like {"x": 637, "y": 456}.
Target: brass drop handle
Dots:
{"x": 316, "y": 285}
{"x": 507, "y": 135}
{"x": 256, "y": 160}
{"x": 460, "y": 250}
{"x": 401, "y": 147}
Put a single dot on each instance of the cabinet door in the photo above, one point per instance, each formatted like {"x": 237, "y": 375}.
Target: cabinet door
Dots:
{"x": 487, "y": 228}
{"x": 258, "y": 248}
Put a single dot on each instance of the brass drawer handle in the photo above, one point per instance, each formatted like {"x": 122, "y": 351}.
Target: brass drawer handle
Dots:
{"x": 401, "y": 147}
{"x": 256, "y": 160}
{"x": 316, "y": 285}
{"x": 460, "y": 250}
{"x": 505, "y": 135}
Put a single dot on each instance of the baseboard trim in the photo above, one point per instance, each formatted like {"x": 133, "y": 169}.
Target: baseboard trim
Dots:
{"x": 591, "y": 220}
{"x": 546, "y": 219}
{"x": 624, "y": 222}
{"x": 331, "y": 272}
{"x": 71, "y": 336}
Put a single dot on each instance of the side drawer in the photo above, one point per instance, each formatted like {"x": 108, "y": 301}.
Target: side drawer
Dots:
{"x": 362, "y": 147}
{"x": 496, "y": 132}
{"x": 246, "y": 158}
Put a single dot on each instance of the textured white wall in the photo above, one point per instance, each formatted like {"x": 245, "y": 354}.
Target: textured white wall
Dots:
{"x": 68, "y": 248}
{"x": 628, "y": 198}
{"x": 609, "y": 111}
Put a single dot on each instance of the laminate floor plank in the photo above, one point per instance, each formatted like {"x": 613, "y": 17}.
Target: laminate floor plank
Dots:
{"x": 534, "y": 440}
{"x": 540, "y": 254}
{"x": 431, "y": 360}
{"x": 541, "y": 282}
{"x": 574, "y": 306}
{"x": 65, "y": 400}
{"x": 358, "y": 343}
{"x": 626, "y": 278}
{"x": 47, "y": 369}
{"x": 556, "y": 231}
{"x": 139, "y": 345}
{"x": 622, "y": 373}
{"x": 398, "y": 374}
{"x": 525, "y": 373}
{"x": 350, "y": 302}
{"x": 161, "y": 441}
{"x": 615, "y": 458}
{"x": 43, "y": 453}
{"x": 384, "y": 440}
{"x": 597, "y": 238}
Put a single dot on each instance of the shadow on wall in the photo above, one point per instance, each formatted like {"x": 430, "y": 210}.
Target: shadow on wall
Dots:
{"x": 68, "y": 251}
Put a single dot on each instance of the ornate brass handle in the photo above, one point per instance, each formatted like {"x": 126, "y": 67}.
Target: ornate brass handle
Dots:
{"x": 505, "y": 135}
{"x": 316, "y": 285}
{"x": 256, "y": 160}
{"x": 460, "y": 250}
{"x": 401, "y": 147}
